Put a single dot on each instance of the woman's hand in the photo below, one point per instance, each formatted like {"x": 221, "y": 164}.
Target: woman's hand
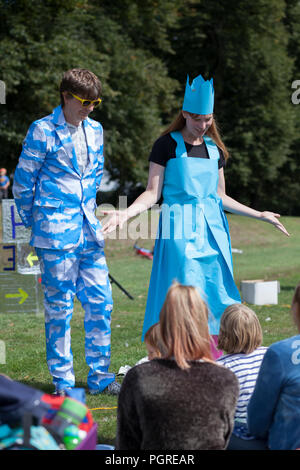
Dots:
{"x": 272, "y": 218}
{"x": 117, "y": 218}
{"x": 149, "y": 197}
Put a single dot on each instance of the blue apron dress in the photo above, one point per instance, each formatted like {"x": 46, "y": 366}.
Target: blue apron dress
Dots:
{"x": 193, "y": 244}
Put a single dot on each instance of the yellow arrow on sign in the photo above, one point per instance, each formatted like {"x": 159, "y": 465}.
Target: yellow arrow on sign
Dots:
{"x": 21, "y": 294}
{"x": 31, "y": 258}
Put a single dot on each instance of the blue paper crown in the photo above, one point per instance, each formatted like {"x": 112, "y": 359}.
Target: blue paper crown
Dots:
{"x": 199, "y": 96}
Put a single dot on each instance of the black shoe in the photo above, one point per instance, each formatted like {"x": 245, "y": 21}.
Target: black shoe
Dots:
{"x": 112, "y": 389}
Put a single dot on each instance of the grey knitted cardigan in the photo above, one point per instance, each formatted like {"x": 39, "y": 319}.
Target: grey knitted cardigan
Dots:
{"x": 162, "y": 407}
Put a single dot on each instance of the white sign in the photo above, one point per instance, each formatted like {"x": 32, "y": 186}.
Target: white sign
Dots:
{"x": 13, "y": 229}
{"x": 20, "y": 294}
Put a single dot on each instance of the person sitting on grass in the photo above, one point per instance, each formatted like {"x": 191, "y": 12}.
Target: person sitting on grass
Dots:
{"x": 241, "y": 338}
{"x": 274, "y": 408}
{"x": 182, "y": 400}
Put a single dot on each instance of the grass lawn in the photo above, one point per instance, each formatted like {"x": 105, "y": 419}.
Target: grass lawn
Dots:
{"x": 266, "y": 254}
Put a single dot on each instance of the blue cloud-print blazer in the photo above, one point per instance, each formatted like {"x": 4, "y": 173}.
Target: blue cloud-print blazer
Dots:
{"x": 51, "y": 195}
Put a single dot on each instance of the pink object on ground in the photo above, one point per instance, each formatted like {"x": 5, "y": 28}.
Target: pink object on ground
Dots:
{"x": 216, "y": 353}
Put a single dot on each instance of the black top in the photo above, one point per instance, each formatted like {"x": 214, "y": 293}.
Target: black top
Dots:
{"x": 164, "y": 407}
{"x": 164, "y": 148}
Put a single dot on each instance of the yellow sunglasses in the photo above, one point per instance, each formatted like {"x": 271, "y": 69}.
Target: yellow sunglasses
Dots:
{"x": 86, "y": 103}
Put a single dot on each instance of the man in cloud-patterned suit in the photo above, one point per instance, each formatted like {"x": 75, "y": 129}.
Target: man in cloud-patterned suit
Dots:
{"x": 55, "y": 185}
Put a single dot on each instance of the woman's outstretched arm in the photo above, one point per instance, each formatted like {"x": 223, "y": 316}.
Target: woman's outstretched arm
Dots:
{"x": 231, "y": 205}
{"x": 149, "y": 197}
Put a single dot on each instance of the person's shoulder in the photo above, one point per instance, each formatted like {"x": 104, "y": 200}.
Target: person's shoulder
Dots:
{"x": 46, "y": 123}
{"x": 94, "y": 124}
{"x": 139, "y": 371}
{"x": 219, "y": 369}
{"x": 155, "y": 365}
{"x": 227, "y": 378}
{"x": 162, "y": 149}
{"x": 43, "y": 121}
{"x": 287, "y": 345}
{"x": 222, "y": 159}
{"x": 221, "y": 377}
{"x": 141, "y": 366}
{"x": 163, "y": 141}
{"x": 39, "y": 129}
{"x": 225, "y": 358}
{"x": 261, "y": 350}
{"x": 216, "y": 367}
{"x": 230, "y": 359}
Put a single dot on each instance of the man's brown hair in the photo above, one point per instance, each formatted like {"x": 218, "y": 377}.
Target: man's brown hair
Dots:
{"x": 80, "y": 82}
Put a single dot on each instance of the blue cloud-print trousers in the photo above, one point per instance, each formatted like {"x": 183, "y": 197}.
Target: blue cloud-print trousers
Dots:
{"x": 82, "y": 272}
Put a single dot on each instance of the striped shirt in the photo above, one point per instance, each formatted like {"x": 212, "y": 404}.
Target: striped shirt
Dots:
{"x": 246, "y": 368}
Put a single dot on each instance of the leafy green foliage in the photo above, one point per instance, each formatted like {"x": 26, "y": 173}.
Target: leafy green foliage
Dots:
{"x": 40, "y": 40}
{"x": 247, "y": 48}
{"x": 142, "y": 51}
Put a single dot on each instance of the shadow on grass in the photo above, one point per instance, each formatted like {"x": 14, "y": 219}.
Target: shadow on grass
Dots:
{"x": 288, "y": 289}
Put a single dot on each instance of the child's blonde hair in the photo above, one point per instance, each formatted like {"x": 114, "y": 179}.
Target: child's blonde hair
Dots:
{"x": 184, "y": 325}
{"x": 240, "y": 330}
{"x": 153, "y": 341}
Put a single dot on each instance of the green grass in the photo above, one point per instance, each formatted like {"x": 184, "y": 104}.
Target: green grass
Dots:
{"x": 267, "y": 254}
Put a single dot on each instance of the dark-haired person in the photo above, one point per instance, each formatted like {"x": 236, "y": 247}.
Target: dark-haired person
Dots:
{"x": 193, "y": 242}
{"x": 55, "y": 185}
{"x": 274, "y": 407}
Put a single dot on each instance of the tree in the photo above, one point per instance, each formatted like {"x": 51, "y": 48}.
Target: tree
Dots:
{"x": 39, "y": 40}
{"x": 142, "y": 50}
{"x": 244, "y": 46}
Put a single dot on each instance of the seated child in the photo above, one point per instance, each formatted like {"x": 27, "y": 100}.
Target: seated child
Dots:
{"x": 241, "y": 338}
{"x": 183, "y": 399}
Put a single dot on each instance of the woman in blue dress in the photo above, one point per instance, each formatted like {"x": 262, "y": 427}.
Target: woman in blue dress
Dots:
{"x": 193, "y": 242}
